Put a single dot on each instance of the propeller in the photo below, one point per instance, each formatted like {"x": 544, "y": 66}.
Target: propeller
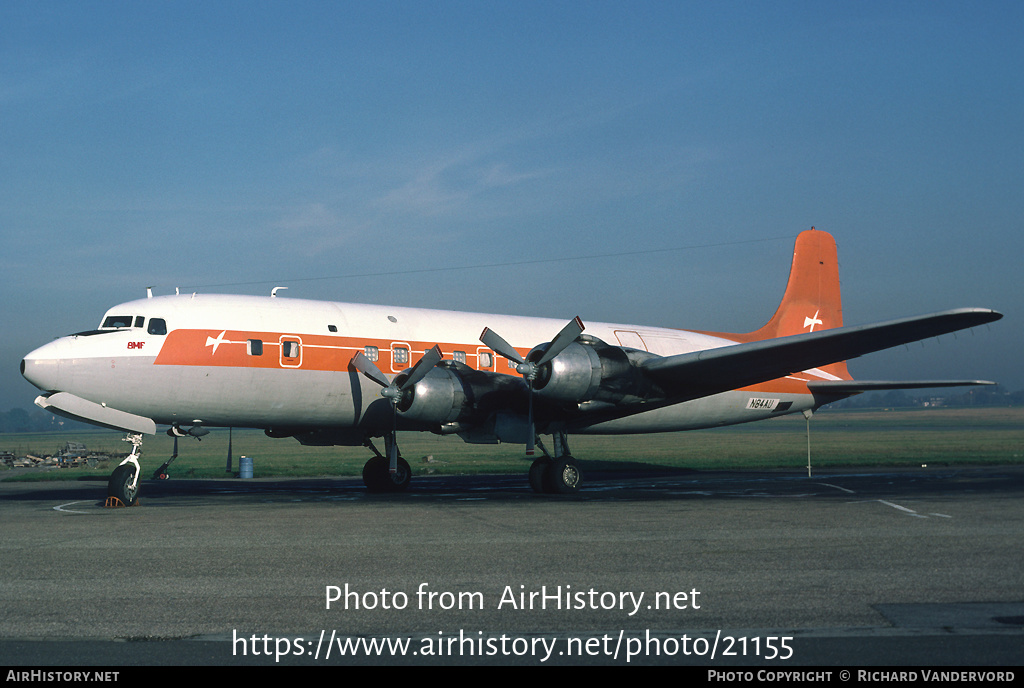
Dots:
{"x": 527, "y": 368}
{"x": 396, "y": 388}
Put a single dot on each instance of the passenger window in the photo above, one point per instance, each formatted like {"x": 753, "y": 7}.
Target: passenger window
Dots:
{"x": 371, "y": 352}
{"x": 486, "y": 360}
{"x": 254, "y": 347}
{"x": 157, "y": 326}
{"x": 401, "y": 355}
{"x": 290, "y": 349}
{"x": 459, "y": 356}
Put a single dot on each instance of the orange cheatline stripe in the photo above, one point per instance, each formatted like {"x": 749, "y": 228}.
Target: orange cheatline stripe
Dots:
{"x": 229, "y": 348}
{"x": 333, "y": 353}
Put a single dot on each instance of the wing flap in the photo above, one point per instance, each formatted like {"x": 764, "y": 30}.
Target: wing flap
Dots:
{"x": 711, "y": 371}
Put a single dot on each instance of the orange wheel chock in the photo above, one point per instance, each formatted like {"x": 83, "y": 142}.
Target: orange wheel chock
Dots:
{"x": 115, "y": 503}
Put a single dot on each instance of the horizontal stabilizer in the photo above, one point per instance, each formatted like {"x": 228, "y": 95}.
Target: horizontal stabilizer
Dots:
{"x": 702, "y": 373}
{"x": 854, "y": 386}
{"x": 77, "y": 408}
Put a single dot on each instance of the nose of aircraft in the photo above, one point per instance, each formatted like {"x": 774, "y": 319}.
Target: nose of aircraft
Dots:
{"x": 42, "y": 367}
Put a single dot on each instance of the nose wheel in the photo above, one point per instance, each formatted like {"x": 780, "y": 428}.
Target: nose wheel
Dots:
{"x": 123, "y": 484}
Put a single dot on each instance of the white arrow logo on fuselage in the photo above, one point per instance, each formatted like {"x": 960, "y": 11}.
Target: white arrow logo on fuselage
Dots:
{"x": 210, "y": 341}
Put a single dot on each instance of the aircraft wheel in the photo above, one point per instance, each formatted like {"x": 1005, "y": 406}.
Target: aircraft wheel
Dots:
{"x": 377, "y": 476}
{"x": 119, "y": 484}
{"x": 537, "y": 470}
{"x": 563, "y": 476}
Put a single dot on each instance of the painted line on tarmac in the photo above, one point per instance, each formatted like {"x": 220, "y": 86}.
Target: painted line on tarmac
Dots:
{"x": 71, "y": 511}
{"x": 902, "y": 508}
{"x": 837, "y": 487}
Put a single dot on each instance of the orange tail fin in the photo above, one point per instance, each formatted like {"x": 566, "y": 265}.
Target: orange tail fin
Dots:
{"x": 812, "y": 301}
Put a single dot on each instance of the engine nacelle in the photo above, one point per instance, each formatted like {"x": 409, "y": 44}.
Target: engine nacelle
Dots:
{"x": 586, "y": 370}
{"x": 453, "y": 392}
{"x": 590, "y": 369}
{"x": 439, "y": 397}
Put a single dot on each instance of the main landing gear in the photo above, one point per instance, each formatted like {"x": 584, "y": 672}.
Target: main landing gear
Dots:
{"x": 558, "y": 474}
{"x": 551, "y": 474}
{"x": 123, "y": 484}
{"x": 377, "y": 473}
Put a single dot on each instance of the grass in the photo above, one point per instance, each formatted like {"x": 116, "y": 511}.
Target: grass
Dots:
{"x": 838, "y": 439}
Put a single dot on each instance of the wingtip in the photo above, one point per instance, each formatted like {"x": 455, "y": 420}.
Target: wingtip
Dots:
{"x": 986, "y": 315}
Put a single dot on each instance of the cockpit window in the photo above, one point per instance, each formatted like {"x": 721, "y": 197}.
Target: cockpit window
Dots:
{"x": 157, "y": 326}
{"x": 118, "y": 321}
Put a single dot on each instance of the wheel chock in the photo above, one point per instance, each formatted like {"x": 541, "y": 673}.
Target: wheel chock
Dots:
{"x": 115, "y": 503}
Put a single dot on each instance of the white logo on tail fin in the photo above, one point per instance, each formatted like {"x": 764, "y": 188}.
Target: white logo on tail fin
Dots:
{"x": 811, "y": 322}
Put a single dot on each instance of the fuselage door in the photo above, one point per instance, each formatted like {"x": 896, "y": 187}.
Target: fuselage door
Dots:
{"x": 630, "y": 339}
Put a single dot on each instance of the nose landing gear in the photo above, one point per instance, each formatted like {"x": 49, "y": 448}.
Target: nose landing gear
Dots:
{"x": 123, "y": 485}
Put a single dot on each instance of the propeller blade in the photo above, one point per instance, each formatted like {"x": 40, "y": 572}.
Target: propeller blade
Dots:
{"x": 394, "y": 392}
{"x": 368, "y": 368}
{"x": 567, "y": 336}
{"x": 494, "y": 341}
{"x": 393, "y": 449}
{"x": 422, "y": 367}
{"x": 531, "y": 432}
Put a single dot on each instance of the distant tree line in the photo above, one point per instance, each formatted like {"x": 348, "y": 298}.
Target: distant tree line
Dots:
{"x": 37, "y": 420}
{"x": 955, "y": 397}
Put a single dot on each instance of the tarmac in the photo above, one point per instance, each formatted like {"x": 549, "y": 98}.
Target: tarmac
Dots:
{"x": 902, "y": 567}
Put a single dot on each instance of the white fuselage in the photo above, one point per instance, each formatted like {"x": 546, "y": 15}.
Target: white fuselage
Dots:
{"x": 244, "y": 361}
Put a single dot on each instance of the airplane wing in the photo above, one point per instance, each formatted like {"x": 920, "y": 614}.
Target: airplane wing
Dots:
{"x": 703, "y": 373}
{"x": 845, "y": 387}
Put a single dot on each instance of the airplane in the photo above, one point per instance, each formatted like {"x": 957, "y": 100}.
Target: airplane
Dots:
{"x": 341, "y": 374}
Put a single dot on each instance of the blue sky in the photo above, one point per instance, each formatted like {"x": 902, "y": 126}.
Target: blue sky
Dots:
{"x": 638, "y": 162}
